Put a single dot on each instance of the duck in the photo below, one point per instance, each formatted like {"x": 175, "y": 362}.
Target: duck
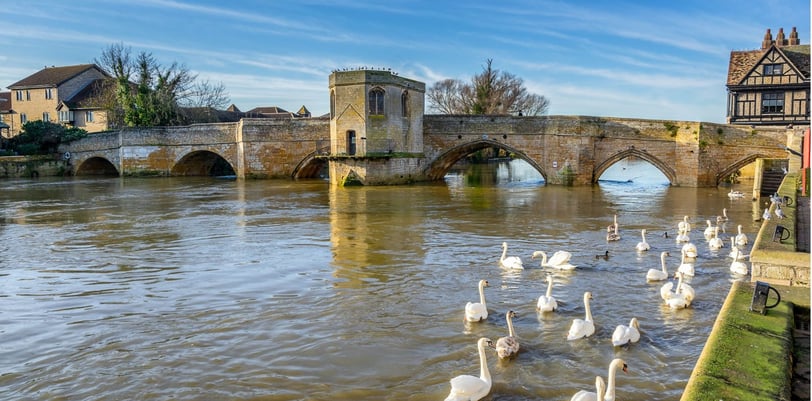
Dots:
{"x": 604, "y": 256}
{"x": 684, "y": 225}
{"x": 685, "y": 267}
{"x": 737, "y": 266}
{"x": 716, "y": 243}
{"x": 547, "y": 302}
{"x": 583, "y": 395}
{"x": 509, "y": 262}
{"x": 610, "y": 387}
{"x": 582, "y": 328}
{"x": 626, "y": 334}
{"x": 690, "y": 250}
{"x": 614, "y": 235}
{"x": 477, "y": 311}
{"x": 472, "y": 388}
{"x": 741, "y": 238}
{"x": 735, "y": 252}
{"x": 560, "y": 260}
{"x": 508, "y": 347}
{"x": 643, "y": 246}
{"x": 661, "y": 274}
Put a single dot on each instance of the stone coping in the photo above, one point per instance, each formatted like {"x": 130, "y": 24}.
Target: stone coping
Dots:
{"x": 747, "y": 355}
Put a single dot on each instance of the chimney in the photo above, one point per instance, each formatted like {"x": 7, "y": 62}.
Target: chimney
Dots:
{"x": 793, "y": 38}
{"x": 779, "y": 39}
{"x": 768, "y": 40}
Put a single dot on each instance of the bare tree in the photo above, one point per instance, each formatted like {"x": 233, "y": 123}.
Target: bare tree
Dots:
{"x": 490, "y": 92}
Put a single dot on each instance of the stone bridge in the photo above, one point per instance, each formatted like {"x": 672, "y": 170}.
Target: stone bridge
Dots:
{"x": 564, "y": 149}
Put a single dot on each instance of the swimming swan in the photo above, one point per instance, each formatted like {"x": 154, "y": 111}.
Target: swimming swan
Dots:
{"x": 658, "y": 275}
{"x": 582, "y": 328}
{"x": 735, "y": 252}
{"x": 614, "y": 235}
{"x": 626, "y": 334}
{"x": 741, "y": 238}
{"x": 684, "y": 225}
{"x": 737, "y": 266}
{"x": 560, "y": 260}
{"x": 682, "y": 237}
{"x": 685, "y": 267}
{"x": 674, "y": 299}
{"x": 690, "y": 250}
{"x": 477, "y": 311}
{"x": 643, "y": 245}
{"x": 708, "y": 233}
{"x": 611, "y": 227}
{"x": 716, "y": 243}
{"x": 507, "y": 347}
{"x": 547, "y": 302}
{"x": 509, "y": 262}
{"x": 584, "y": 395}
{"x": 472, "y": 388}
{"x": 610, "y": 388}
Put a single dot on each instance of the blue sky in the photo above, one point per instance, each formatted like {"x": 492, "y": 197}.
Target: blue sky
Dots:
{"x": 635, "y": 59}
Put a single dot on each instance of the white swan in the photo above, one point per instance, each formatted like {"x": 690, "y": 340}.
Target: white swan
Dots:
{"x": 507, "y": 347}
{"x": 611, "y": 227}
{"x": 582, "y": 328}
{"x": 477, "y": 311}
{"x": 685, "y": 267}
{"x": 735, "y": 252}
{"x": 584, "y": 395}
{"x": 560, "y": 260}
{"x": 658, "y": 275}
{"x": 708, "y": 233}
{"x": 690, "y": 250}
{"x": 737, "y": 266}
{"x": 610, "y": 388}
{"x": 643, "y": 246}
{"x": 547, "y": 302}
{"x": 684, "y": 225}
{"x": 674, "y": 299}
{"x": 509, "y": 262}
{"x": 723, "y": 217}
{"x": 735, "y": 194}
{"x": 716, "y": 243}
{"x": 741, "y": 238}
{"x": 613, "y": 235}
{"x": 682, "y": 237}
{"x": 626, "y": 334}
{"x": 471, "y": 388}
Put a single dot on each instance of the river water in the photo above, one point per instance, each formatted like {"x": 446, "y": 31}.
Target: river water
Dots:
{"x": 212, "y": 289}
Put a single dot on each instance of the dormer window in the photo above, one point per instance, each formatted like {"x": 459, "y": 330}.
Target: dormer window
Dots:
{"x": 376, "y": 101}
{"x": 773, "y": 69}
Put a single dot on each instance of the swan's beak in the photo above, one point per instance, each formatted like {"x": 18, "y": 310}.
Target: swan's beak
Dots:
{"x": 625, "y": 368}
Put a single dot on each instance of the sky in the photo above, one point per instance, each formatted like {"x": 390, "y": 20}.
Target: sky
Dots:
{"x": 630, "y": 59}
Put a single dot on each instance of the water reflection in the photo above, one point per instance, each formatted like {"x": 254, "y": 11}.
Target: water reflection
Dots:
{"x": 168, "y": 289}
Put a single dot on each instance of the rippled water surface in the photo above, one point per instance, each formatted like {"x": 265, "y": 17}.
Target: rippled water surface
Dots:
{"x": 192, "y": 288}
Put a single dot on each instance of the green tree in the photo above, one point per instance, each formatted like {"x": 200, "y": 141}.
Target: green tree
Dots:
{"x": 150, "y": 94}
{"x": 41, "y": 138}
{"x": 489, "y": 92}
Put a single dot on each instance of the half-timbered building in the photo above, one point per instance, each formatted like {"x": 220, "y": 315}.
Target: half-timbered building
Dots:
{"x": 769, "y": 86}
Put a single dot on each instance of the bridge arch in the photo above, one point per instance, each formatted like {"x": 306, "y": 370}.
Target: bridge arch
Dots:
{"x": 96, "y": 165}
{"x": 440, "y": 166}
{"x": 311, "y": 166}
{"x": 724, "y": 174}
{"x": 667, "y": 170}
{"x": 202, "y": 163}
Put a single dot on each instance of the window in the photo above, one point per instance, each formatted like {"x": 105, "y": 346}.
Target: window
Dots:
{"x": 19, "y": 95}
{"x": 333, "y": 104}
{"x": 46, "y": 116}
{"x": 27, "y": 95}
{"x": 404, "y": 104}
{"x": 772, "y": 102}
{"x": 23, "y": 118}
{"x": 773, "y": 69}
{"x": 376, "y": 101}
{"x": 66, "y": 116}
{"x": 49, "y": 93}
{"x": 88, "y": 116}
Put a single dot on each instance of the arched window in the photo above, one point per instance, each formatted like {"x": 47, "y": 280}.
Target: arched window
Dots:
{"x": 332, "y": 104}
{"x": 376, "y": 101}
{"x": 404, "y": 103}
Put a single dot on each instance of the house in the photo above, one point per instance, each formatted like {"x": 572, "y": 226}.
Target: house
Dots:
{"x": 66, "y": 95}
{"x": 5, "y": 115}
{"x": 769, "y": 86}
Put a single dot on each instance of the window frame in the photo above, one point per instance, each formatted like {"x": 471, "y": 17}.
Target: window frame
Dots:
{"x": 376, "y": 97}
{"x": 772, "y": 103}
{"x": 49, "y": 94}
{"x": 89, "y": 116}
{"x": 773, "y": 69}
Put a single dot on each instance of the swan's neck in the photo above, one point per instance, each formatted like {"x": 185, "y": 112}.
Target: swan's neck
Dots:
{"x": 643, "y": 235}
{"x": 610, "y": 387}
{"x": 549, "y": 288}
{"x": 504, "y": 252}
{"x": 662, "y": 262}
{"x": 510, "y": 325}
{"x": 544, "y": 258}
{"x": 679, "y": 283}
{"x": 484, "y": 374}
{"x": 588, "y": 311}
{"x": 482, "y": 294}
